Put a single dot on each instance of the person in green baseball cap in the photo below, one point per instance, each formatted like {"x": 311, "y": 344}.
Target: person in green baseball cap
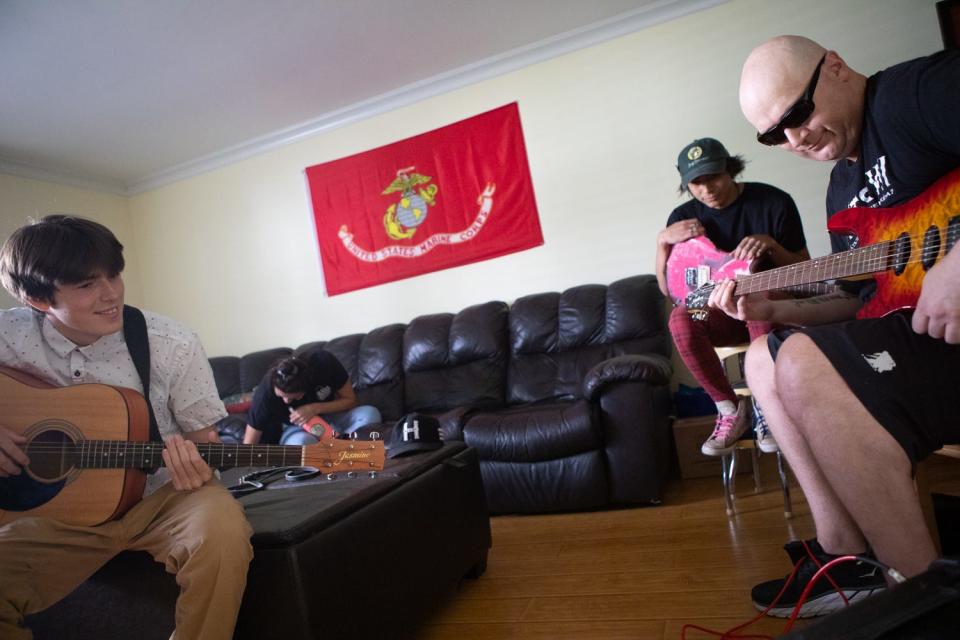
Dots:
{"x": 751, "y": 221}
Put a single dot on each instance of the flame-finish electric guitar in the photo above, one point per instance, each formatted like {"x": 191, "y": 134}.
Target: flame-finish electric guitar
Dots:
{"x": 897, "y": 246}
{"x": 89, "y": 450}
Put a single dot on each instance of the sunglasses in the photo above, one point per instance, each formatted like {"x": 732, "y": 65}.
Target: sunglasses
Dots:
{"x": 795, "y": 116}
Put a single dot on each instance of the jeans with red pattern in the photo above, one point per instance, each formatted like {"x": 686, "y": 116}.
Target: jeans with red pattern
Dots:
{"x": 696, "y": 339}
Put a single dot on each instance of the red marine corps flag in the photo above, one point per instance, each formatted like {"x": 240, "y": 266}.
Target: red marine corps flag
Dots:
{"x": 452, "y": 196}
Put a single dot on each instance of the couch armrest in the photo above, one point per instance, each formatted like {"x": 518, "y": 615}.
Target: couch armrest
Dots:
{"x": 651, "y": 368}
{"x": 451, "y": 423}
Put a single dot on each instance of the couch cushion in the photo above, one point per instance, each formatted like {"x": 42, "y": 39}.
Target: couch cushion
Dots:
{"x": 456, "y": 360}
{"x": 566, "y": 484}
{"x": 556, "y": 338}
{"x": 255, "y": 365}
{"x": 533, "y": 433}
{"x": 374, "y": 362}
{"x": 226, "y": 374}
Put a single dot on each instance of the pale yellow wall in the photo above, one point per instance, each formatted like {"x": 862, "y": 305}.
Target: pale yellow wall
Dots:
{"x": 23, "y": 200}
{"x": 232, "y": 253}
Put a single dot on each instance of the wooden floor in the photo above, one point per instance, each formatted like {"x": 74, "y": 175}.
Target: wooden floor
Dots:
{"x": 637, "y": 573}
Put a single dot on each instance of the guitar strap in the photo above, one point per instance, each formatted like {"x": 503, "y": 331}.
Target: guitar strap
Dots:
{"x": 135, "y": 335}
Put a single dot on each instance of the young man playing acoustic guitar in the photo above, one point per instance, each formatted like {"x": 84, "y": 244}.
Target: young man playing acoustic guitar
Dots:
{"x": 855, "y": 404}
{"x": 750, "y": 221}
{"x": 68, "y": 271}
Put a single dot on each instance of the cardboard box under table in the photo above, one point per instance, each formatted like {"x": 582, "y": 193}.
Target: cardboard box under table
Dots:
{"x": 353, "y": 557}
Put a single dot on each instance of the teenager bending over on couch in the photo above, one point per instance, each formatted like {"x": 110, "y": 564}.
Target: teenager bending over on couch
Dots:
{"x": 299, "y": 388}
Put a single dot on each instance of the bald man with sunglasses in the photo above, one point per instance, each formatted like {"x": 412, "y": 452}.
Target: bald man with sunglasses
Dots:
{"x": 855, "y": 404}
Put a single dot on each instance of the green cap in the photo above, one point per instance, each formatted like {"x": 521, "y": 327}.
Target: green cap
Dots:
{"x": 701, "y": 157}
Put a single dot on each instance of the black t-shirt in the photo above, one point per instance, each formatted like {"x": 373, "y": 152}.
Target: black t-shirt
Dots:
{"x": 269, "y": 413}
{"x": 910, "y": 138}
{"x": 760, "y": 209}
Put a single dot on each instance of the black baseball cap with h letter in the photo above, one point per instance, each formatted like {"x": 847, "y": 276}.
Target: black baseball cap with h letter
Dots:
{"x": 413, "y": 432}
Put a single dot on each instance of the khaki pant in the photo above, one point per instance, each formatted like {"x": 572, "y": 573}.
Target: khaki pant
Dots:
{"x": 202, "y": 536}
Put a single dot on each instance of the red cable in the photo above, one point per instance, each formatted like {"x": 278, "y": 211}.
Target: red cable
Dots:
{"x": 731, "y": 634}
{"x": 835, "y": 586}
{"x": 822, "y": 571}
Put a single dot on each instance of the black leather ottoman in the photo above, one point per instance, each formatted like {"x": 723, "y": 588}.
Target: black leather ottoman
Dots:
{"x": 353, "y": 557}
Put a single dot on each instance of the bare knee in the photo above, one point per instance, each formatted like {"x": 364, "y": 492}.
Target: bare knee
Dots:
{"x": 800, "y": 368}
{"x": 759, "y": 367}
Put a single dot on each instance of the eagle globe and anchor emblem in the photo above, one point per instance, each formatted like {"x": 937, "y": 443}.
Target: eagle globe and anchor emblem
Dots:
{"x": 403, "y": 217}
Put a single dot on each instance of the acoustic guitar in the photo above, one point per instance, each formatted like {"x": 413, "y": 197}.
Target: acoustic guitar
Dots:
{"x": 89, "y": 451}
{"x": 896, "y": 246}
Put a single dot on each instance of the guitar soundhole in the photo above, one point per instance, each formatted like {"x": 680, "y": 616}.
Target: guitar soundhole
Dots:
{"x": 901, "y": 253}
{"x": 51, "y": 453}
{"x": 50, "y": 445}
{"x": 953, "y": 230}
{"x": 931, "y": 247}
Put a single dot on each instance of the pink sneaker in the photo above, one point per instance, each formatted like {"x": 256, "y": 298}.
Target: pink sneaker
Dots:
{"x": 727, "y": 431}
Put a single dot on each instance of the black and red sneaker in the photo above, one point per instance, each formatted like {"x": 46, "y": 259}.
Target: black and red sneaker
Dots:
{"x": 856, "y": 580}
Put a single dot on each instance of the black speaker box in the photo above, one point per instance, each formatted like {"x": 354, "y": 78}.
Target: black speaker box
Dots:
{"x": 946, "y": 508}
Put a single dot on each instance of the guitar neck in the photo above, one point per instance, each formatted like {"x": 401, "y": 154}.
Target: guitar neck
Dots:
{"x": 855, "y": 262}
{"x": 120, "y": 454}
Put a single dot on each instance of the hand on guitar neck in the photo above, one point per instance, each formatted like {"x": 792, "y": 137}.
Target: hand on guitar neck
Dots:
{"x": 832, "y": 307}
{"x": 188, "y": 471}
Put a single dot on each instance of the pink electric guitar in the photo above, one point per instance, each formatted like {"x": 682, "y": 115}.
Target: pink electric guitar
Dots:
{"x": 697, "y": 263}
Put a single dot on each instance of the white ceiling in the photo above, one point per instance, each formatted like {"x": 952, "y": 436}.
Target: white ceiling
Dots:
{"x": 124, "y": 95}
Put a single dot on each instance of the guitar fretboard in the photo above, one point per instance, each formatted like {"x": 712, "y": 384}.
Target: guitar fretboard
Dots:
{"x": 120, "y": 454}
{"x": 871, "y": 259}
{"x": 860, "y": 261}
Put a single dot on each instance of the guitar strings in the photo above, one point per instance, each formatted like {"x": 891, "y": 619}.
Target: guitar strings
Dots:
{"x": 124, "y": 454}
{"x": 90, "y": 450}
{"x": 129, "y": 444}
{"x": 45, "y": 447}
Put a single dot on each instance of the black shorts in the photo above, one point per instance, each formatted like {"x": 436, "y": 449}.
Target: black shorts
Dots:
{"x": 910, "y": 383}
